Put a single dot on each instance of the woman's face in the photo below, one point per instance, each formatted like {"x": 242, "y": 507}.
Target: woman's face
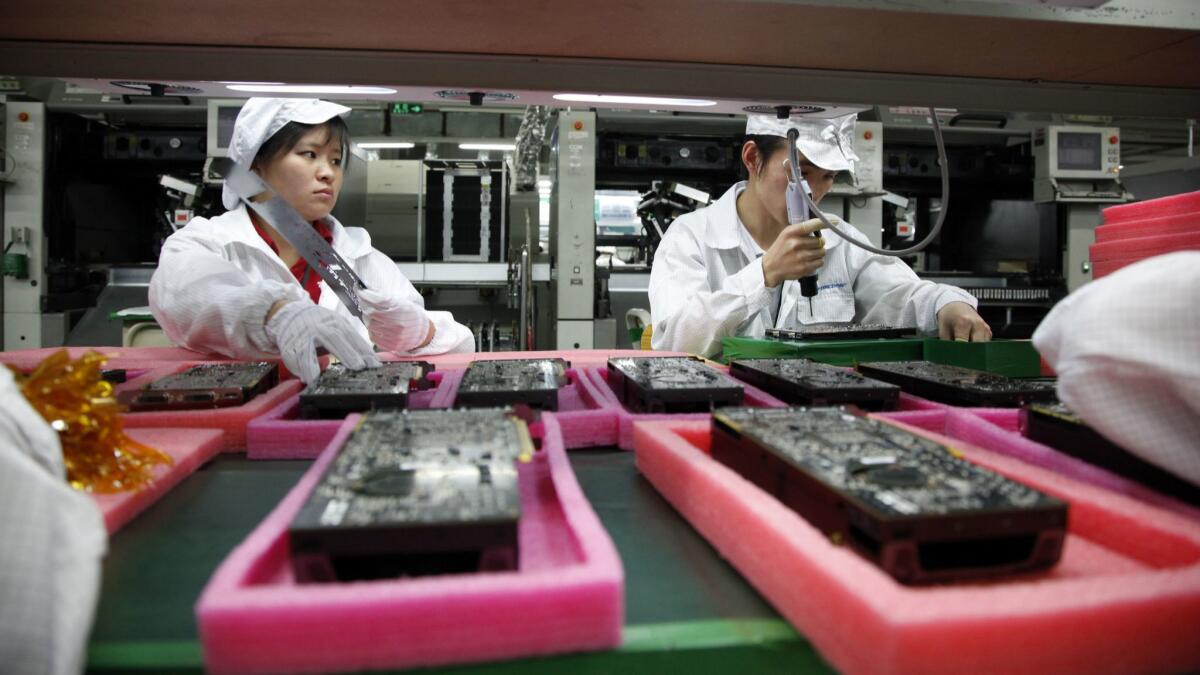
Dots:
{"x": 309, "y": 176}
{"x": 772, "y": 182}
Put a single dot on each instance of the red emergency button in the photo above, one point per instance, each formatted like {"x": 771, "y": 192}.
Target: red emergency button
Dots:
{"x": 23, "y": 117}
{"x": 868, "y": 135}
{"x": 1112, "y": 140}
{"x": 578, "y": 125}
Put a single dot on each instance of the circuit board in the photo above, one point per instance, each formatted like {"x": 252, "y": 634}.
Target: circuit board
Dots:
{"x": 1055, "y": 425}
{"x": 909, "y": 504}
{"x": 959, "y": 386}
{"x": 415, "y": 492}
{"x": 670, "y": 384}
{"x": 212, "y": 385}
{"x": 836, "y": 330}
{"x": 808, "y": 382}
{"x": 340, "y": 391}
{"x": 499, "y": 382}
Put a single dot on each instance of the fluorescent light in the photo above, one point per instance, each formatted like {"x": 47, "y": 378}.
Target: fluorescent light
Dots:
{"x": 388, "y": 144}
{"x": 633, "y": 100}
{"x": 544, "y": 183}
{"x": 308, "y": 89}
{"x": 487, "y": 146}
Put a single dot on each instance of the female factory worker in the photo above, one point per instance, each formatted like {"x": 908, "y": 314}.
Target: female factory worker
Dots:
{"x": 234, "y": 286}
{"x": 731, "y": 267}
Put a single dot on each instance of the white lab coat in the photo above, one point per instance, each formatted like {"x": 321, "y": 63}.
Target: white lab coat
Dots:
{"x": 1127, "y": 352}
{"x": 52, "y": 540}
{"x": 217, "y": 278}
{"x": 707, "y": 284}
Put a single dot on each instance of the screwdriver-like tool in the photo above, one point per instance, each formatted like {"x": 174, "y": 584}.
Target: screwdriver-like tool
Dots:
{"x": 797, "y": 209}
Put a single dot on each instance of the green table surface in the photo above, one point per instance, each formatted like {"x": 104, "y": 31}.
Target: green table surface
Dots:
{"x": 684, "y": 605}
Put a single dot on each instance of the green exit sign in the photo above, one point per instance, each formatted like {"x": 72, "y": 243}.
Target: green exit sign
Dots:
{"x": 407, "y": 108}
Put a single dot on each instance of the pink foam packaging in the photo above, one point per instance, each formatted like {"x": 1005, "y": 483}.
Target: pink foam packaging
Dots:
{"x": 232, "y": 421}
{"x": 1124, "y": 598}
{"x": 1188, "y": 202}
{"x": 189, "y": 448}
{"x": 567, "y": 596}
{"x": 999, "y": 430}
{"x": 280, "y": 433}
{"x": 1149, "y": 227}
{"x": 579, "y": 358}
{"x": 118, "y": 357}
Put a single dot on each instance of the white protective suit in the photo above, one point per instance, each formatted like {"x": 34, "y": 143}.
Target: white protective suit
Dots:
{"x": 707, "y": 283}
{"x": 1127, "y": 352}
{"x": 52, "y": 539}
{"x": 217, "y": 278}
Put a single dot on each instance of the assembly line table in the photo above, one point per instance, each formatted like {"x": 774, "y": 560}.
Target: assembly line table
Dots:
{"x": 685, "y": 607}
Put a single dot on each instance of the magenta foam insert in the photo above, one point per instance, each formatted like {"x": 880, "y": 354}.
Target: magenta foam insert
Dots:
{"x": 753, "y": 397}
{"x": 232, "y": 421}
{"x": 1173, "y": 205}
{"x": 279, "y": 433}
{"x": 1124, "y": 598}
{"x": 568, "y": 594}
{"x": 999, "y": 430}
{"x": 129, "y": 358}
{"x": 578, "y": 358}
{"x": 190, "y": 448}
{"x": 1149, "y": 227}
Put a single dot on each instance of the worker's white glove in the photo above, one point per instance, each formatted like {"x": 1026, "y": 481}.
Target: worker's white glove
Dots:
{"x": 395, "y": 324}
{"x": 299, "y": 327}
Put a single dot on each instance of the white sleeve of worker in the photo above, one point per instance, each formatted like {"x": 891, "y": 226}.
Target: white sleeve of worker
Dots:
{"x": 52, "y": 539}
{"x": 1127, "y": 352}
{"x": 205, "y": 302}
{"x": 688, "y": 316}
{"x": 888, "y": 291}
{"x": 380, "y": 273}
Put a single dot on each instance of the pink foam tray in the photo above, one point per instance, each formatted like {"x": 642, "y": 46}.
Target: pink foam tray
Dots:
{"x": 231, "y": 421}
{"x": 1124, "y": 598}
{"x": 567, "y": 595}
{"x": 579, "y": 358}
{"x": 130, "y": 358}
{"x": 999, "y": 430}
{"x": 281, "y": 434}
{"x": 1172, "y": 205}
{"x": 190, "y": 448}
{"x": 753, "y": 397}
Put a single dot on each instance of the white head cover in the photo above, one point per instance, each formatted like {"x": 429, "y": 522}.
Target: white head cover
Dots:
{"x": 262, "y": 118}
{"x": 828, "y": 143}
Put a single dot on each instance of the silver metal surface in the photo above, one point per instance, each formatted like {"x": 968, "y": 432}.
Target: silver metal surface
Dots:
{"x": 130, "y": 275}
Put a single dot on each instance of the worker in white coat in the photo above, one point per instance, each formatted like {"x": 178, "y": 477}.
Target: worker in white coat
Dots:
{"x": 234, "y": 286}
{"x": 732, "y": 268}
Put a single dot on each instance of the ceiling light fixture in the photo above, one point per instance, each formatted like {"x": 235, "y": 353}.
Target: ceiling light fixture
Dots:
{"x": 633, "y": 100}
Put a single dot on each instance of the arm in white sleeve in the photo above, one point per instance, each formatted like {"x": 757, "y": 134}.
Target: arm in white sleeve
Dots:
{"x": 381, "y": 274}
{"x": 687, "y": 315}
{"x": 888, "y": 291}
{"x": 205, "y": 302}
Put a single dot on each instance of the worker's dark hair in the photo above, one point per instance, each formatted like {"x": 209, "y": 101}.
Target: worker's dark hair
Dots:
{"x": 767, "y": 147}
{"x": 286, "y": 138}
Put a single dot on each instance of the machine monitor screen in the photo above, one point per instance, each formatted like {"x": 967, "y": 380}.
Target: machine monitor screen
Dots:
{"x": 1078, "y": 151}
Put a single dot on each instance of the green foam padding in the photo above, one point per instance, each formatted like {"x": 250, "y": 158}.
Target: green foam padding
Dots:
{"x": 835, "y": 352}
{"x": 1011, "y": 358}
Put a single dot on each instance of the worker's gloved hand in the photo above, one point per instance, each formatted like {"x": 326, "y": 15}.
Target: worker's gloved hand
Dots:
{"x": 394, "y": 324}
{"x": 299, "y": 327}
{"x": 959, "y": 321}
{"x": 795, "y": 254}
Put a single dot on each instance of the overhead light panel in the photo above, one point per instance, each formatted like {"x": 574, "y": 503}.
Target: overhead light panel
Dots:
{"x": 607, "y": 99}
{"x": 339, "y": 89}
{"x": 388, "y": 144}
{"x": 487, "y": 146}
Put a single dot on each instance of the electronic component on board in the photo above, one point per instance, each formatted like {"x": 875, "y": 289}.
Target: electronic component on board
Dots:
{"x": 671, "y": 384}
{"x": 958, "y": 386}
{"x": 1054, "y": 424}
{"x": 415, "y": 492}
{"x": 907, "y": 503}
{"x": 808, "y": 382}
{"x": 837, "y": 330}
{"x": 340, "y": 391}
{"x": 499, "y": 382}
{"x": 211, "y": 385}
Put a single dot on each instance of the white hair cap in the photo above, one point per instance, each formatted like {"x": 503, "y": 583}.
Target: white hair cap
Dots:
{"x": 262, "y": 118}
{"x": 828, "y": 143}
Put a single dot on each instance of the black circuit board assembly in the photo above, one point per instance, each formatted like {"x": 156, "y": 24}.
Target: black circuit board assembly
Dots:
{"x": 211, "y": 385}
{"x": 1055, "y": 425}
{"x": 500, "y": 382}
{"x": 415, "y": 492}
{"x": 671, "y": 384}
{"x": 959, "y": 386}
{"x": 837, "y": 330}
{"x": 340, "y": 391}
{"x": 907, "y": 503}
{"x": 812, "y": 383}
